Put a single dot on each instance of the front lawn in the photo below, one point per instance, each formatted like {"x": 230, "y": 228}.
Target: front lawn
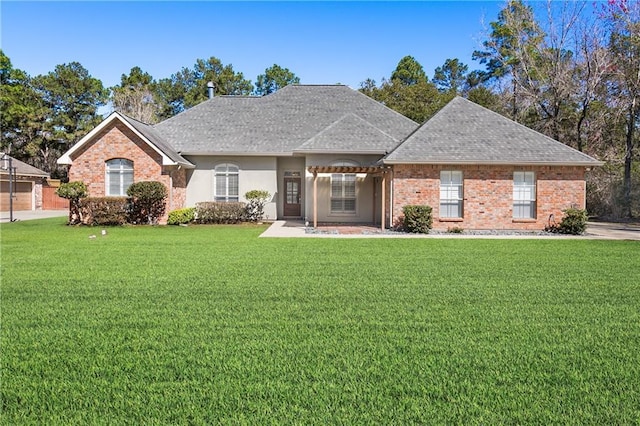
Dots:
{"x": 205, "y": 325}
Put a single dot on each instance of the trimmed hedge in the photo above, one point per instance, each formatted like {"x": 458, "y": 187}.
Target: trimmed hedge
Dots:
{"x": 216, "y": 212}
{"x": 181, "y": 216}
{"x": 104, "y": 210}
{"x": 417, "y": 219}
{"x": 147, "y": 202}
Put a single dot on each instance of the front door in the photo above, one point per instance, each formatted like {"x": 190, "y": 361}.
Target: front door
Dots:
{"x": 292, "y": 196}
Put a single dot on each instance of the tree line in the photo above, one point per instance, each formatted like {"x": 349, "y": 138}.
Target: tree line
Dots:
{"x": 561, "y": 68}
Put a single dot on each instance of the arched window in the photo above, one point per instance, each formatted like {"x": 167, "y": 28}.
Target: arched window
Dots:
{"x": 119, "y": 176}
{"x": 226, "y": 182}
{"x": 343, "y": 189}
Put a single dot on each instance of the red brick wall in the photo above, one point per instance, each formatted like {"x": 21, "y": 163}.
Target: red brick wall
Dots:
{"x": 118, "y": 141}
{"x": 488, "y": 194}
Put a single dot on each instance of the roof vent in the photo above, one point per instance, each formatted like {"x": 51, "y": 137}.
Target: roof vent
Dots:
{"x": 210, "y": 87}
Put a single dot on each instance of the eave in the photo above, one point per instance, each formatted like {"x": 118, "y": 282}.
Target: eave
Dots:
{"x": 499, "y": 163}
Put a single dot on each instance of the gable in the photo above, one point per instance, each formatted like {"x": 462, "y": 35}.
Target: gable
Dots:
{"x": 350, "y": 134}
{"x": 168, "y": 157}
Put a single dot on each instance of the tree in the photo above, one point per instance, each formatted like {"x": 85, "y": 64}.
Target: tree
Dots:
{"x": 22, "y": 113}
{"x": 515, "y": 32}
{"x": 409, "y": 93}
{"x": 72, "y": 97}
{"x": 451, "y": 76}
{"x": 623, "y": 18}
{"x": 188, "y": 87}
{"x": 136, "y": 96}
{"x": 274, "y": 78}
{"x": 409, "y": 72}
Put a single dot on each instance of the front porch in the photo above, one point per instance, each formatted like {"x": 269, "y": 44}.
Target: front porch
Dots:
{"x": 380, "y": 194}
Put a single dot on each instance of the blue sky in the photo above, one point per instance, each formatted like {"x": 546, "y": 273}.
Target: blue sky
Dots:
{"x": 321, "y": 42}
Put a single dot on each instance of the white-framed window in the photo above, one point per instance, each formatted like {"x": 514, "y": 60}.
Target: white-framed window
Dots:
{"x": 343, "y": 193}
{"x": 343, "y": 189}
{"x": 451, "y": 194}
{"x": 524, "y": 195}
{"x": 118, "y": 176}
{"x": 226, "y": 182}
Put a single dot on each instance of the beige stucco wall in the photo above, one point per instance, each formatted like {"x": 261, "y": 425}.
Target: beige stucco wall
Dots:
{"x": 365, "y": 187}
{"x": 255, "y": 173}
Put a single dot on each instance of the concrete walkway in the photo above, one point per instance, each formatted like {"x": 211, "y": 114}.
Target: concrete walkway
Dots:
{"x": 595, "y": 231}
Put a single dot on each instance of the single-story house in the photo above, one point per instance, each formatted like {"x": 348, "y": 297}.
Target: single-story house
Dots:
{"x": 330, "y": 154}
{"x": 27, "y": 183}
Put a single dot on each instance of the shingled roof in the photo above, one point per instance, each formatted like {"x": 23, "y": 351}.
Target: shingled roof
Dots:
{"x": 304, "y": 118}
{"x": 466, "y": 133}
{"x": 156, "y": 139}
{"x": 23, "y": 169}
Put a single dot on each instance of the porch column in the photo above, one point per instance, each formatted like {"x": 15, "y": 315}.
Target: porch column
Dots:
{"x": 315, "y": 199}
{"x": 383, "y": 198}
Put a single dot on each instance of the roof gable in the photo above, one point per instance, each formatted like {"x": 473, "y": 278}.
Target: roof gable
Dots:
{"x": 349, "y": 134}
{"x": 463, "y": 132}
{"x": 144, "y": 131}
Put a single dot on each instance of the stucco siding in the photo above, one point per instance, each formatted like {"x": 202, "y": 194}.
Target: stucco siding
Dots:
{"x": 255, "y": 173}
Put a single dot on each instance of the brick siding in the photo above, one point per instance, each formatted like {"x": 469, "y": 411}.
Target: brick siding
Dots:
{"x": 488, "y": 194}
{"x": 118, "y": 141}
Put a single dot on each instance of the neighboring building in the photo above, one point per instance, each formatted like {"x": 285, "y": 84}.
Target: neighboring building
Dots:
{"x": 332, "y": 154}
{"x": 27, "y": 186}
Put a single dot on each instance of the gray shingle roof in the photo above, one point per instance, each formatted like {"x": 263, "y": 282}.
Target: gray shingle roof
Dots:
{"x": 349, "y": 134}
{"x": 155, "y": 138}
{"x": 285, "y": 121}
{"x": 24, "y": 169}
{"x": 463, "y": 132}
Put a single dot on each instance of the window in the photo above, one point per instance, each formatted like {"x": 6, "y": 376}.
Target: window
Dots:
{"x": 226, "y": 182}
{"x": 119, "y": 177}
{"x": 524, "y": 195}
{"x": 451, "y": 194}
{"x": 343, "y": 189}
{"x": 343, "y": 193}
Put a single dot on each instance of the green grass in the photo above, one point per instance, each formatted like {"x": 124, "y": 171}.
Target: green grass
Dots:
{"x": 206, "y": 325}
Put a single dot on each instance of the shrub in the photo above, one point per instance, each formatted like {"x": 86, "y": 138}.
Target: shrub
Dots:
{"x": 181, "y": 216}
{"x": 574, "y": 221}
{"x": 255, "y": 206}
{"x": 455, "y": 230}
{"x": 147, "y": 201}
{"x": 105, "y": 210}
{"x": 417, "y": 219}
{"x": 74, "y": 192}
{"x": 217, "y": 212}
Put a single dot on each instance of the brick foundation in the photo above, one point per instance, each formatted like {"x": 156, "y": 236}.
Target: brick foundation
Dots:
{"x": 488, "y": 194}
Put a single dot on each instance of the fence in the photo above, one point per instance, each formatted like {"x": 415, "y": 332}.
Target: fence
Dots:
{"x": 51, "y": 201}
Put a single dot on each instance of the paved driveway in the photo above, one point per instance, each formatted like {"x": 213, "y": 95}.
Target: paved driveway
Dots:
{"x": 33, "y": 214}
{"x": 614, "y": 231}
